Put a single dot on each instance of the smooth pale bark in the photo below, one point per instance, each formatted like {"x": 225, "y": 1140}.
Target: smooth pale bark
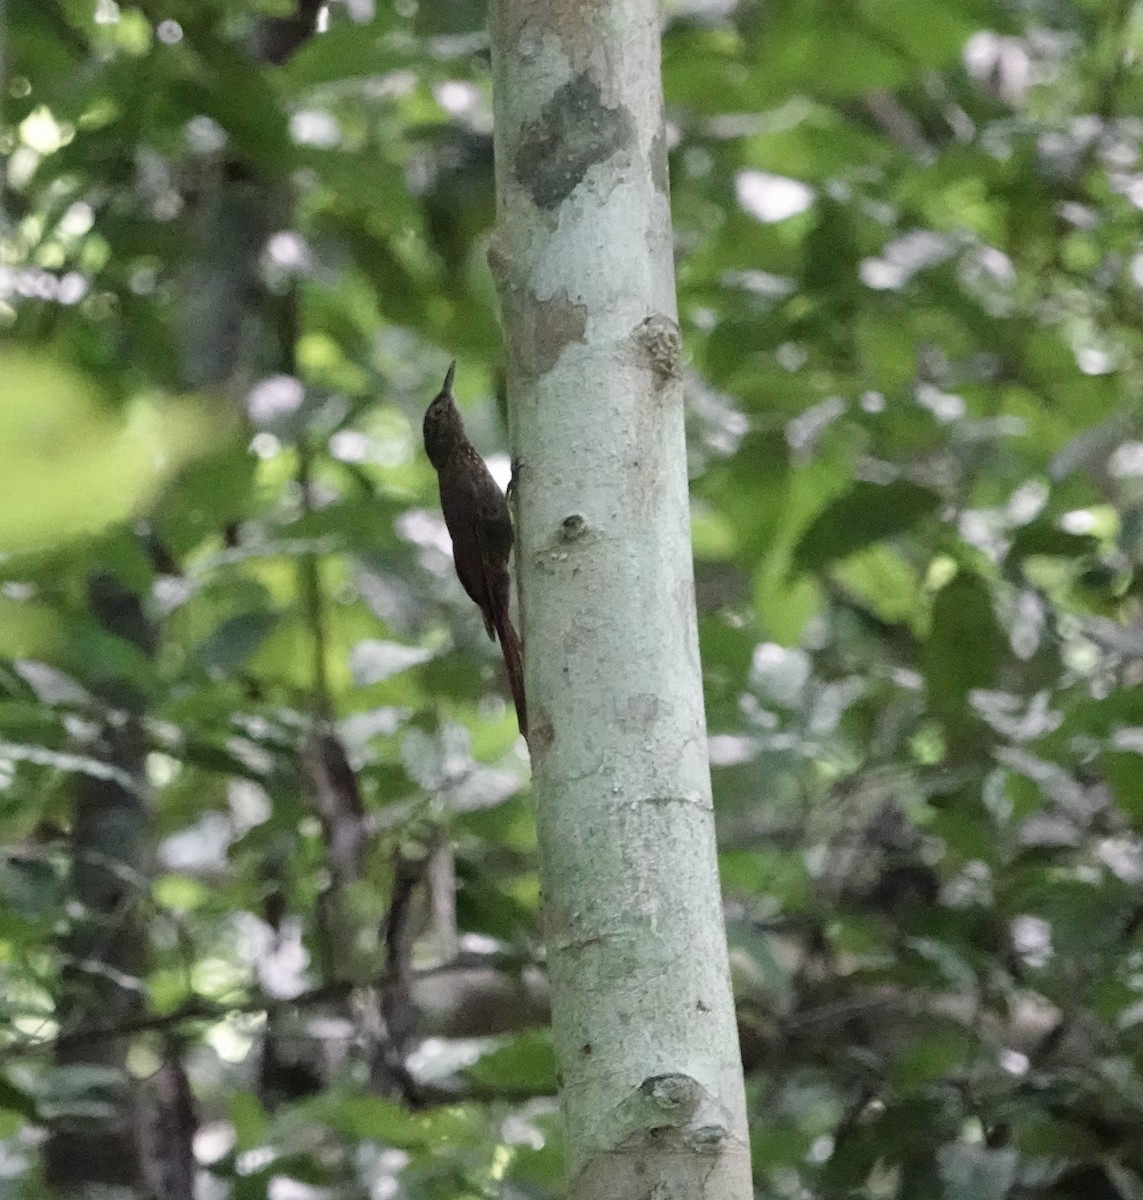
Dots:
{"x": 642, "y": 1012}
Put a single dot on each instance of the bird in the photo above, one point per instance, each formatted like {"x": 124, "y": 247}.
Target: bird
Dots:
{"x": 476, "y": 515}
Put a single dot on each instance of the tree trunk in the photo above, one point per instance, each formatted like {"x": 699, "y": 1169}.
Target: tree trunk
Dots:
{"x": 96, "y": 1144}
{"x": 642, "y": 1013}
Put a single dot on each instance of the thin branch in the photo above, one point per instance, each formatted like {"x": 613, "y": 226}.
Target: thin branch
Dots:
{"x": 193, "y": 1011}
{"x": 313, "y": 600}
{"x": 472, "y": 970}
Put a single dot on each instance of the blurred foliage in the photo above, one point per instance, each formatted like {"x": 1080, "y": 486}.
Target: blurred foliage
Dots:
{"x": 232, "y": 270}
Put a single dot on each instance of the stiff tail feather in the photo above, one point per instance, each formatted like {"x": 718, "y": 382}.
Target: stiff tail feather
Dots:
{"x": 514, "y": 665}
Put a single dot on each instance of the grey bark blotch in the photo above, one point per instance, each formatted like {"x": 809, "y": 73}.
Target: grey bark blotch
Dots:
{"x": 660, "y": 174}
{"x": 556, "y": 323}
{"x": 541, "y": 733}
{"x": 575, "y": 131}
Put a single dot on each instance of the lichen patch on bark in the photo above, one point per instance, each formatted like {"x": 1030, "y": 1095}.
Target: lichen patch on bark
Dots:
{"x": 660, "y": 341}
{"x": 575, "y": 131}
{"x": 542, "y": 329}
{"x": 660, "y": 174}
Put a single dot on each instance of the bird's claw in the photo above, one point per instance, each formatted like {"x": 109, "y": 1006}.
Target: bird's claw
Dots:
{"x": 514, "y": 478}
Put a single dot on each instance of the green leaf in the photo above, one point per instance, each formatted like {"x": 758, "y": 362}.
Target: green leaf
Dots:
{"x": 868, "y": 513}
{"x": 249, "y": 1120}
{"x": 1123, "y": 771}
{"x": 930, "y": 32}
{"x": 97, "y": 657}
{"x": 966, "y": 645}
{"x": 886, "y": 584}
{"x": 1047, "y": 538}
{"x": 779, "y": 1144}
{"x": 235, "y": 640}
{"x": 750, "y": 490}
{"x": 820, "y": 48}
{"x": 241, "y": 100}
{"x": 349, "y": 50}
{"x": 16, "y": 1100}
{"x": 71, "y": 464}
{"x": 215, "y": 491}
{"x": 382, "y": 1121}
{"x": 816, "y": 147}
{"x": 30, "y": 887}
{"x": 527, "y": 1062}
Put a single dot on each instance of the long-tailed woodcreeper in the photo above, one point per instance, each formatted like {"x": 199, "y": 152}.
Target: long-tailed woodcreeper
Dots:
{"x": 476, "y": 514}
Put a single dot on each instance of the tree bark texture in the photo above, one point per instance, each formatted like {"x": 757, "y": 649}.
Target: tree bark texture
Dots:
{"x": 642, "y": 1013}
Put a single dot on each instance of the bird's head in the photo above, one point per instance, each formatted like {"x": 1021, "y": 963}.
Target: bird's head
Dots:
{"x": 443, "y": 427}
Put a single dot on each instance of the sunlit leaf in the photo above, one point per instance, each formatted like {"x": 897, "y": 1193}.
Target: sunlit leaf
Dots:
{"x": 73, "y": 465}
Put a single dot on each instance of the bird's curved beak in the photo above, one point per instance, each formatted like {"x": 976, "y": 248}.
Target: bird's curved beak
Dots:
{"x": 449, "y": 377}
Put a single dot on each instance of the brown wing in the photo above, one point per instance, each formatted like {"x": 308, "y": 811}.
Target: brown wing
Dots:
{"x": 481, "y": 534}
{"x": 477, "y": 517}
{"x": 495, "y": 536}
